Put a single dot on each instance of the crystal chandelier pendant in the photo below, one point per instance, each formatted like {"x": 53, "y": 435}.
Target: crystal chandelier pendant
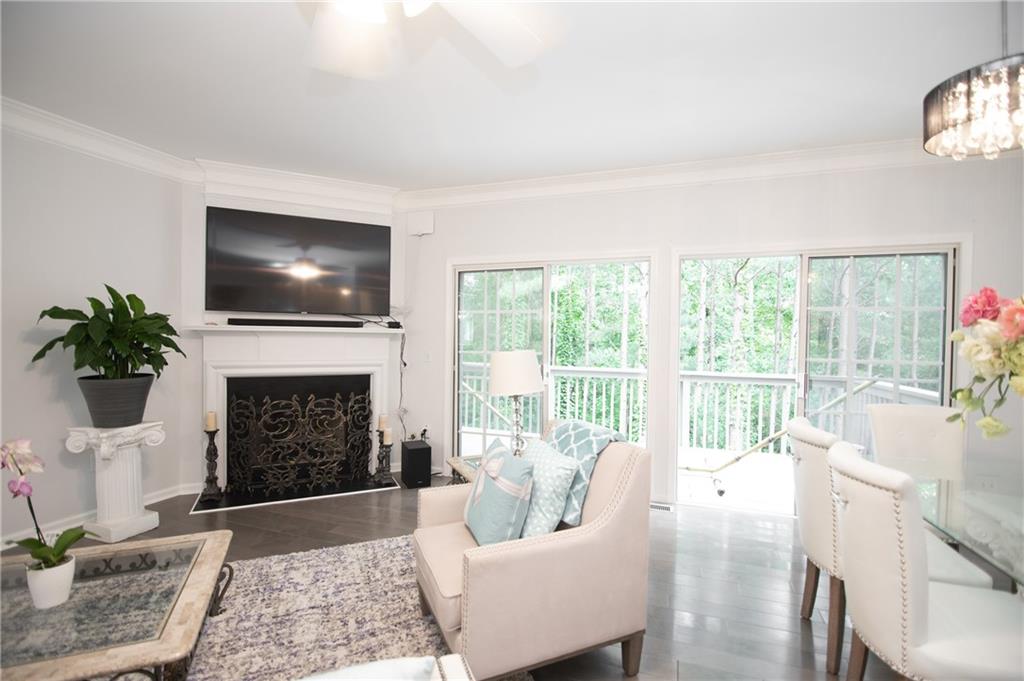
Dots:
{"x": 979, "y": 112}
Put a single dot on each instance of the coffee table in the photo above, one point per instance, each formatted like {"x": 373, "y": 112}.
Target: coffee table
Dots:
{"x": 135, "y": 607}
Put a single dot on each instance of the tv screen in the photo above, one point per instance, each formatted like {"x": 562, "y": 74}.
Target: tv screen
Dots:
{"x": 262, "y": 262}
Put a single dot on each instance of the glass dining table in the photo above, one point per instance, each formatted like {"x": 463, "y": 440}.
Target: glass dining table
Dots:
{"x": 989, "y": 523}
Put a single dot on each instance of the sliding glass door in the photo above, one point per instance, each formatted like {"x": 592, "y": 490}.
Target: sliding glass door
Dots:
{"x": 876, "y": 333}
{"x": 588, "y": 324}
{"x": 737, "y": 381}
{"x": 764, "y": 339}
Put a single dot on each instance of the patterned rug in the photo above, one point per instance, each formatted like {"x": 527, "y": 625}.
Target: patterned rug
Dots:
{"x": 289, "y": 616}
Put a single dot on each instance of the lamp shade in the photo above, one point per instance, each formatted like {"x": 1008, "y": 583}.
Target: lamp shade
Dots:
{"x": 515, "y": 372}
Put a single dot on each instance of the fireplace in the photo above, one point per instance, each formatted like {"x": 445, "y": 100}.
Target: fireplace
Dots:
{"x": 294, "y": 437}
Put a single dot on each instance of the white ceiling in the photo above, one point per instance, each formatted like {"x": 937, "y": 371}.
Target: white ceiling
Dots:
{"x": 621, "y": 84}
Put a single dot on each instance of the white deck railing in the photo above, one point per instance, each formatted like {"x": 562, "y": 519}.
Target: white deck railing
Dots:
{"x": 730, "y": 412}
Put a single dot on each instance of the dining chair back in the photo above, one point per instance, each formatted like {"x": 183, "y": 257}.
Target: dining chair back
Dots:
{"x": 918, "y": 440}
{"x": 815, "y": 510}
{"x": 881, "y": 536}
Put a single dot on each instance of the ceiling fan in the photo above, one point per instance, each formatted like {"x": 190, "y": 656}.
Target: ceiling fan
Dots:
{"x": 361, "y": 38}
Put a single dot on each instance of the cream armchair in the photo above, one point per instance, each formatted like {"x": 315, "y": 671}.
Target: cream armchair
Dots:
{"x": 524, "y": 603}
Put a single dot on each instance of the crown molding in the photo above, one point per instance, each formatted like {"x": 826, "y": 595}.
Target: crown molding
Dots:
{"x": 216, "y": 178}
{"x": 36, "y": 123}
{"x": 280, "y": 186}
{"x": 219, "y": 178}
{"x": 899, "y": 153}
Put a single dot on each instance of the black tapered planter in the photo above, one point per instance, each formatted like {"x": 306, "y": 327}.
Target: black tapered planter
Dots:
{"x": 116, "y": 402}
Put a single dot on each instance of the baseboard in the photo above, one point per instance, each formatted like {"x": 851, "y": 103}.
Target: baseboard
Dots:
{"x": 80, "y": 518}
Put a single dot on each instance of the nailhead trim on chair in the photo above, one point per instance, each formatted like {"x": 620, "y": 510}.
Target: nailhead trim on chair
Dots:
{"x": 510, "y": 546}
{"x": 897, "y": 509}
{"x": 834, "y": 572}
{"x": 901, "y": 667}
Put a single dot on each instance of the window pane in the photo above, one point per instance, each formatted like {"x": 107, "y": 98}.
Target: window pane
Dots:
{"x": 599, "y": 344}
{"x": 498, "y": 310}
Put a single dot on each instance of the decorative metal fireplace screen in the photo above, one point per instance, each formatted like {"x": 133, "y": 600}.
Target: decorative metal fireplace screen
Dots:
{"x": 297, "y": 435}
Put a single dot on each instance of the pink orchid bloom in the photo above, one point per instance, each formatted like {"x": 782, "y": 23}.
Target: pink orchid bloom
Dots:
{"x": 20, "y": 487}
{"x": 1011, "y": 321}
{"x": 985, "y": 304}
{"x": 17, "y": 455}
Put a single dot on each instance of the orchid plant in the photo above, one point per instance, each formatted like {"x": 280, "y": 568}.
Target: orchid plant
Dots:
{"x": 17, "y": 457}
{"x": 992, "y": 341}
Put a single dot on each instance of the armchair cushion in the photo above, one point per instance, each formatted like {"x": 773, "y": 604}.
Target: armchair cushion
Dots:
{"x": 553, "y": 474}
{"x": 500, "y": 498}
{"x": 584, "y": 442}
{"x": 439, "y": 552}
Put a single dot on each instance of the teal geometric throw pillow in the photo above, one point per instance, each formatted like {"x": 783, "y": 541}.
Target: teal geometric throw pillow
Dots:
{"x": 553, "y": 474}
{"x": 500, "y": 497}
{"x": 584, "y": 442}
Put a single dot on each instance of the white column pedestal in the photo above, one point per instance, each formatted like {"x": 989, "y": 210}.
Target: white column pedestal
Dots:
{"x": 119, "y": 505}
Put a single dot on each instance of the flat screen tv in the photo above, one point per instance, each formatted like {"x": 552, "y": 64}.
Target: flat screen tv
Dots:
{"x": 263, "y": 262}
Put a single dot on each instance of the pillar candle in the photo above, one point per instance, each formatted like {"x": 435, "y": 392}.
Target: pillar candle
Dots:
{"x": 386, "y": 439}
{"x": 211, "y": 420}
{"x": 382, "y": 422}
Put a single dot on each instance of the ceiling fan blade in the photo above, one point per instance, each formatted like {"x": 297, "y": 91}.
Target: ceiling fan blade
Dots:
{"x": 349, "y": 39}
{"x": 499, "y": 29}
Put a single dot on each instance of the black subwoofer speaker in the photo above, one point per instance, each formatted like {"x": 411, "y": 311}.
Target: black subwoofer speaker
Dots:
{"x": 415, "y": 463}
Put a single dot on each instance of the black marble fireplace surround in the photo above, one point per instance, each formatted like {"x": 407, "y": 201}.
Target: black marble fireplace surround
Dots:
{"x": 293, "y": 437}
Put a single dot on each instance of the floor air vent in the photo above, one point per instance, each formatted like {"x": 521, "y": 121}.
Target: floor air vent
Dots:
{"x": 660, "y": 507}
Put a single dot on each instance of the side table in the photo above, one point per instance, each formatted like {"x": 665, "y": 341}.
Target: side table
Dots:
{"x": 463, "y": 468}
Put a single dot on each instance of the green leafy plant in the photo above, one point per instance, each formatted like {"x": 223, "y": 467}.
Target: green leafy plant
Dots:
{"x": 116, "y": 341}
{"x": 52, "y": 556}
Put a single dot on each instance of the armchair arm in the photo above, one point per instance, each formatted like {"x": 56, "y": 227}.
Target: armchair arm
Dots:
{"x": 528, "y": 601}
{"x": 441, "y": 505}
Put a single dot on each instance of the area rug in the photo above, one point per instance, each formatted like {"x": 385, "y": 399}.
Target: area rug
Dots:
{"x": 288, "y": 616}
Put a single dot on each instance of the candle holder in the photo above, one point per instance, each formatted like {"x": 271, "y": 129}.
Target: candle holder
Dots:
{"x": 383, "y": 473}
{"x": 211, "y": 490}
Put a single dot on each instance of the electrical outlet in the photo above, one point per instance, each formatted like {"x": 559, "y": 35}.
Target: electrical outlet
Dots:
{"x": 986, "y": 483}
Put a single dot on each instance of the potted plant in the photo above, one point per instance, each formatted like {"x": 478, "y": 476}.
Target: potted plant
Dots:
{"x": 115, "y": 342}
{"x": 50, "y": 577}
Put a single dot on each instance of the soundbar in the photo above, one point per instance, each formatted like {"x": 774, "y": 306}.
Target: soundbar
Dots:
{"x": 323, "y": 323}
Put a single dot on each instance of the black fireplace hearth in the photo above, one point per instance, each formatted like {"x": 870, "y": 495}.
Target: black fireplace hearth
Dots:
{"x": 295, "y": 437}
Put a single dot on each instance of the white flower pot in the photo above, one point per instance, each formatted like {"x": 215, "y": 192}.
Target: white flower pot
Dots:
{"x": 51, "y": 586}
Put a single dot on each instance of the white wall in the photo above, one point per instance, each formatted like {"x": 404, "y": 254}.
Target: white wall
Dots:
{"x": 71, "y": 223}
{"x": 978, "y": 202}
{"x": 133, "y": 217}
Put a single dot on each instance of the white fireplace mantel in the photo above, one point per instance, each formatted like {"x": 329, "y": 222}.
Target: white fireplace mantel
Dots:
{"x": 295, "y": 351}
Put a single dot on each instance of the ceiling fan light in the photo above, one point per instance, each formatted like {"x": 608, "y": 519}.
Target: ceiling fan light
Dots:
{"x": 414, "y": 8}
{"x": 365, "y": 11}
{"x": 354, "y": 48}
{"x": 304, "y": 268}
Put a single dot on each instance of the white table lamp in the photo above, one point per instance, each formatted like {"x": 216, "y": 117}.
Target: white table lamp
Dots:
{"x": 515, "y": 373}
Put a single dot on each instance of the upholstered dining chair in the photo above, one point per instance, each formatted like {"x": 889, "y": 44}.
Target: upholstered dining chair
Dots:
{"x": 817, "y": 520}
{"x": 924, "y": 630}
{"x": 918, "y": 440}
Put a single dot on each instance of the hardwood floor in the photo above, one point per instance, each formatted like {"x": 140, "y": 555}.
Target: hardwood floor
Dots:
{"x": 724, "y": 599}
